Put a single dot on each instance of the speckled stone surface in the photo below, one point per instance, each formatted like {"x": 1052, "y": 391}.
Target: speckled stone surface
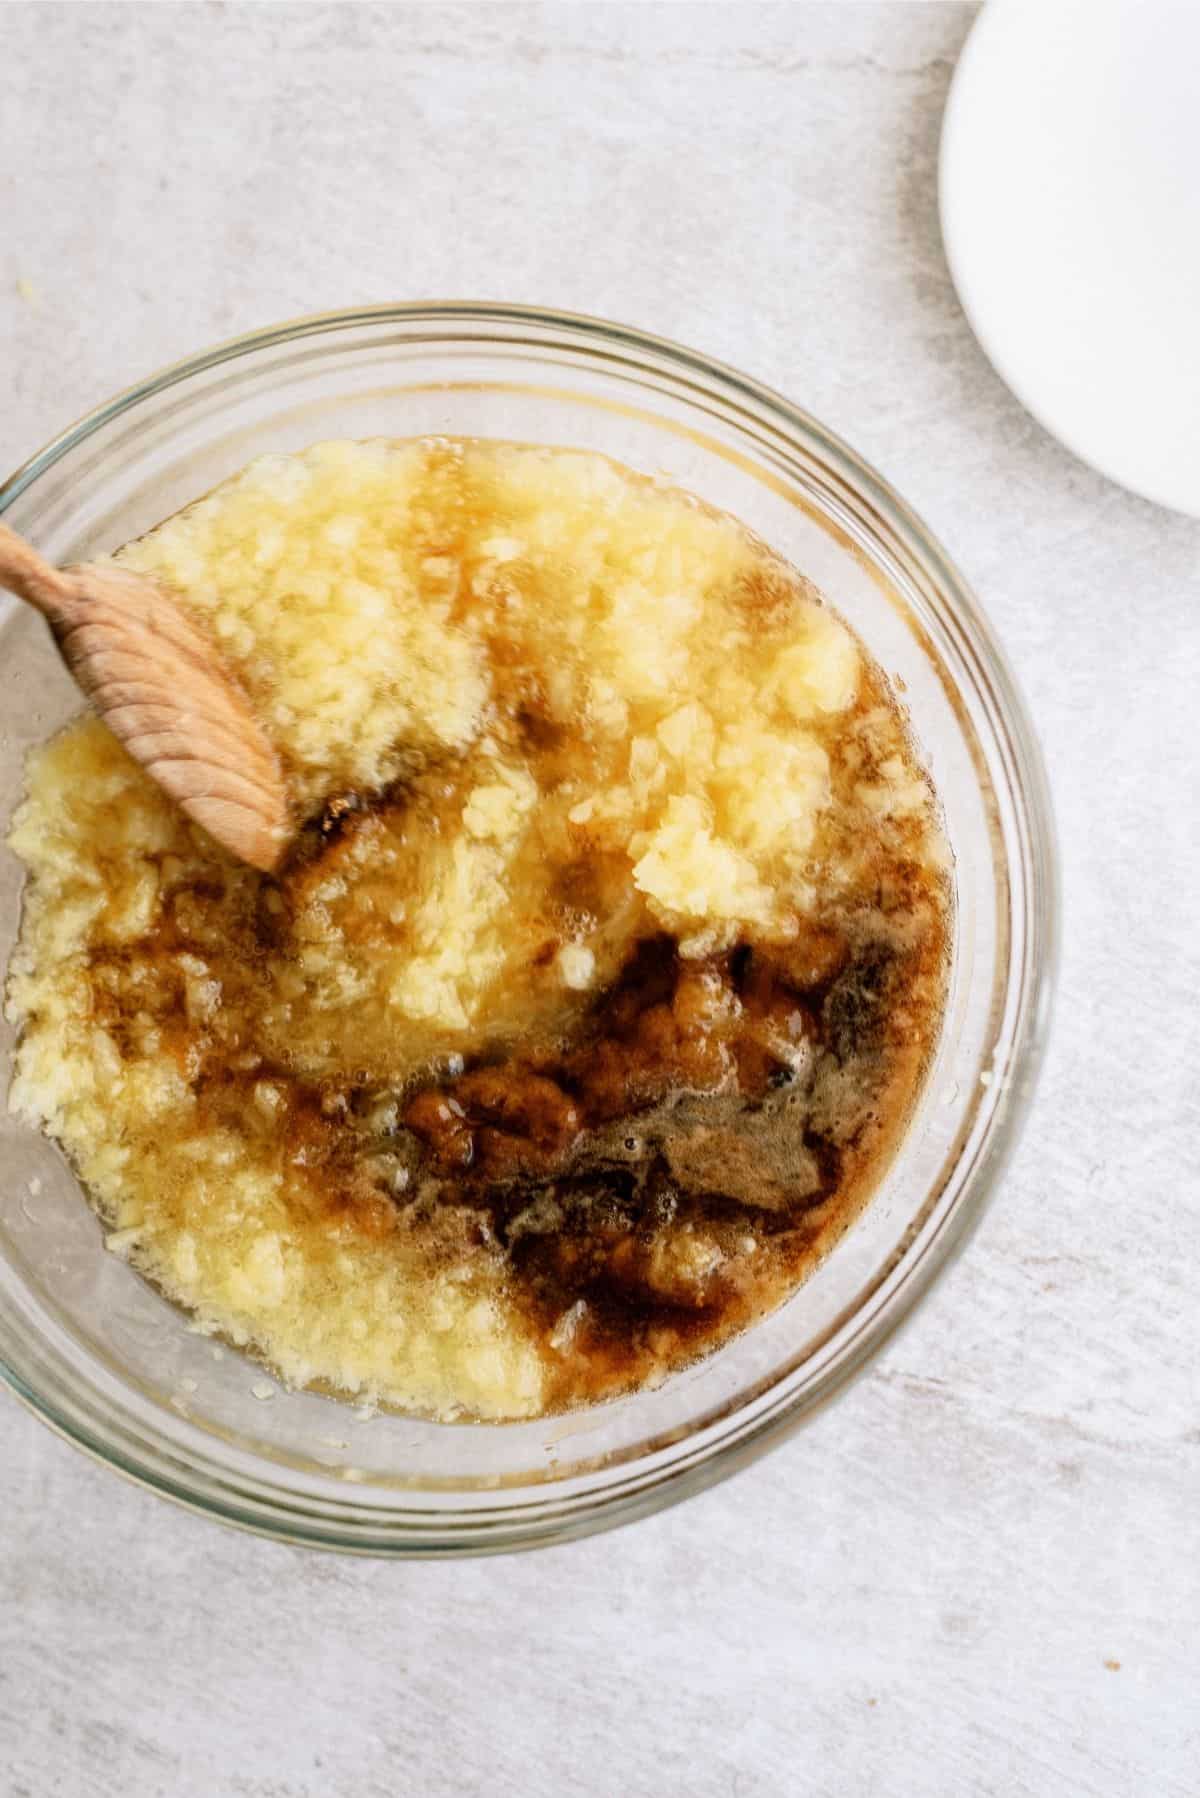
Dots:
{"x": 980, "y": 1571}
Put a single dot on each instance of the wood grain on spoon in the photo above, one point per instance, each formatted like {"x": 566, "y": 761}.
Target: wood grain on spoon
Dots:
{"x": 162, "y": 689}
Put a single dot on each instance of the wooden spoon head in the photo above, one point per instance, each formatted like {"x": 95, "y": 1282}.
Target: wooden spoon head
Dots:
{"x": 162, "y": 689}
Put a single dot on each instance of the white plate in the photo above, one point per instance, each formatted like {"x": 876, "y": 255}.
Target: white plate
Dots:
{"x": 1070, "y": 203}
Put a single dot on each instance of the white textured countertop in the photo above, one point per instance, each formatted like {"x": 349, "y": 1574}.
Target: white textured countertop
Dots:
{"x": 979, "y": 1572}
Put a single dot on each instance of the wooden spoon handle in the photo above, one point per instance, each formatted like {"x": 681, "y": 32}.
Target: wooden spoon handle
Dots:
{"x": 36, "y": 581}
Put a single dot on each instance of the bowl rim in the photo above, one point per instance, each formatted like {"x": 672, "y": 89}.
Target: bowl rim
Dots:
{"x": 544, "y": 1521}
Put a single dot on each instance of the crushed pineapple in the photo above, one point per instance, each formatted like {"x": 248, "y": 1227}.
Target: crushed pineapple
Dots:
{"x": 604, "y": 711}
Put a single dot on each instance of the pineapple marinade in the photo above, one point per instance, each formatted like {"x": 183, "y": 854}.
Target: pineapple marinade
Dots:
{"x": 598, "y": 987}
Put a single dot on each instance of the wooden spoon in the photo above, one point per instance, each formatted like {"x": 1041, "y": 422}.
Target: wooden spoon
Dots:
{"x": 161, "y": 688}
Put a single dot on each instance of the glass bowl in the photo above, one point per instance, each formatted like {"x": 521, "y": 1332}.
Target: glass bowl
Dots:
{"x": 109, "y": 1364}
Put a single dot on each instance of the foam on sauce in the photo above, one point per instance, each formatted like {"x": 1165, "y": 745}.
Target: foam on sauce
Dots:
{"x": 598, "y": 987}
